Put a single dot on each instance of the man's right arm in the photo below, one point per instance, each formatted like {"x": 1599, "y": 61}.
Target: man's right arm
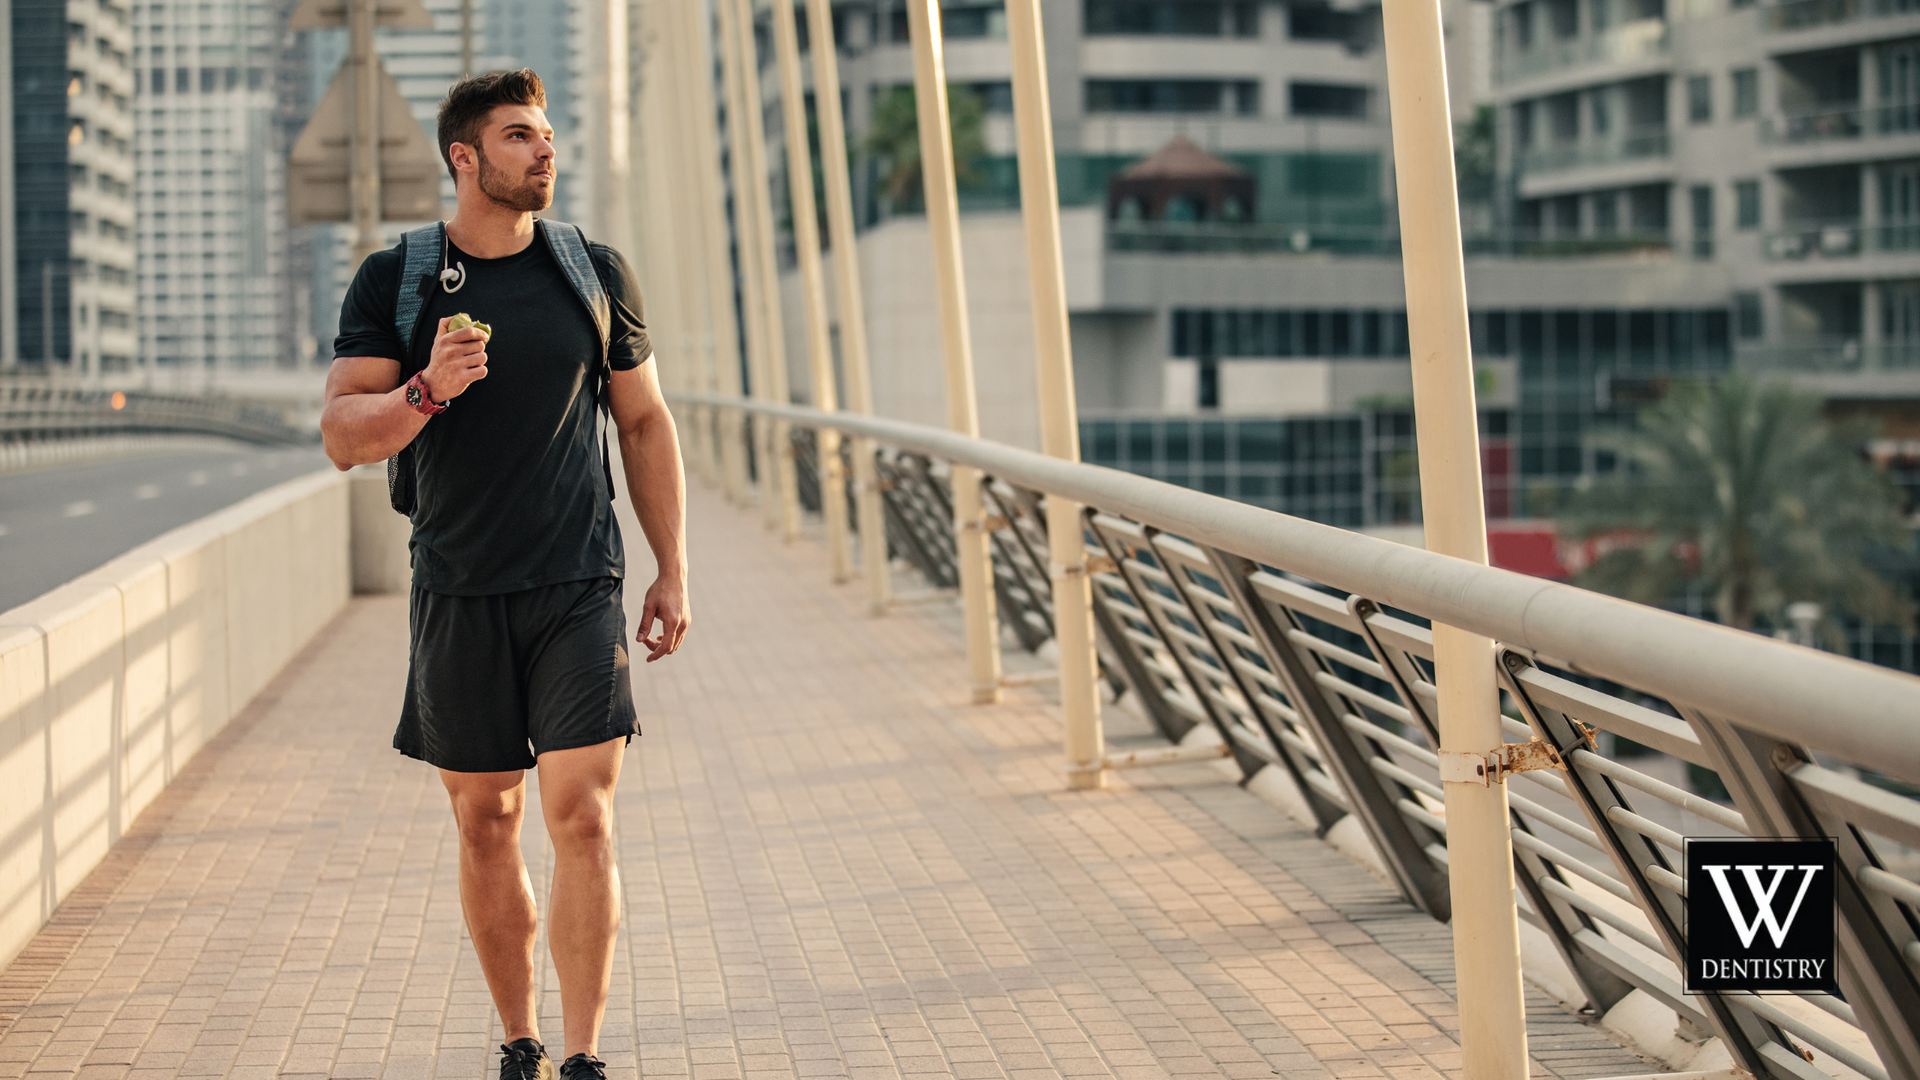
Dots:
{"x": 367, "y": 418}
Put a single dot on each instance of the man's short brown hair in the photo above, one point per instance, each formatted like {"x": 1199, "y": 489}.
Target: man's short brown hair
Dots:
{"x": 470, "y": 101}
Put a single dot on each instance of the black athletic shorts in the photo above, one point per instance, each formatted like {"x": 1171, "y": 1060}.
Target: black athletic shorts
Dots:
{"x": 495, "y": 681}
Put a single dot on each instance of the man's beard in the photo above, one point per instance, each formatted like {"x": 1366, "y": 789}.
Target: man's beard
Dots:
{"x": 526, "y": 196}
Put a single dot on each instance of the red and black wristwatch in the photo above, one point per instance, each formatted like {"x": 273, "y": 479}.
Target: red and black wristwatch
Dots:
{"x": 420, "y": 399}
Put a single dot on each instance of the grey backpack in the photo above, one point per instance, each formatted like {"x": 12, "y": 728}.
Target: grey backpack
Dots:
{"x": 422, "y": 253}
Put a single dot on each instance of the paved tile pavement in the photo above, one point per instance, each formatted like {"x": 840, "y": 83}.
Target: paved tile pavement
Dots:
{"x": 833, "y": 868}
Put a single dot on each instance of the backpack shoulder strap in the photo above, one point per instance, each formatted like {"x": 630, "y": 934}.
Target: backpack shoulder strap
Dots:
{"x": 420, "y": 253}
{"x": 569, "y": 246}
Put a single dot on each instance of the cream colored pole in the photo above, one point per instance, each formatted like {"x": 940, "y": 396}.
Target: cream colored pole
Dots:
{"x": 846, "y": 290}
{"x": 753, "y": 307}
{"x": 783, "y": 502}
{"x": 1059, "y": 421}
{"x": 963, "y": 410}
{"x": 806, "y": 242}
{"x": 659, "y": 255}
{"x": 693, "y": 253}
{"x": 363, "y": 134}
{"x": 724, "y": 376}
{"x": 1486, "y": 936}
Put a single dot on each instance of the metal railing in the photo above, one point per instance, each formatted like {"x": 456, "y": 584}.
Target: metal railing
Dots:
{"x": 1807, "y": 14}
{"x": 1832, "y": 354}
{"x": 1851, "y": 122}
{"x": 1308, "y": 649}
{"x": 1262, "y": 238}
{"x": 1839, "y": 240}
{"x": 36, "y": 410}
{"x": 1636, "y": 40}
{"x": 1632, "y": 146}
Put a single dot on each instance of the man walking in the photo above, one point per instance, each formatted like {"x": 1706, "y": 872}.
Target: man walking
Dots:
{"x": 518, "y": 652}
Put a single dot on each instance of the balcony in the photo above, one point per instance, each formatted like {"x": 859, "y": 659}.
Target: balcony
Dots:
{"x": 1839, "y": 240}
{"x": 1850, "y": 122}
{"x": 1641, "y": 39}
{"x": 1263, "y": 238}
{"x": 1812, "y": 14}
{"x": 1832, "y": 355}
{"x": 1635, "y": 145}
{"x": 1249, "y": 238}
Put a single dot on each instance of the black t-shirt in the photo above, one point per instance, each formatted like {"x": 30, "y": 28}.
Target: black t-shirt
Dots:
{"x": 512, "y": 493}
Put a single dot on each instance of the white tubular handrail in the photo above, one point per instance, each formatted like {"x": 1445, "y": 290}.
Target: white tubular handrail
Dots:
{"x": 1856, "y": 711}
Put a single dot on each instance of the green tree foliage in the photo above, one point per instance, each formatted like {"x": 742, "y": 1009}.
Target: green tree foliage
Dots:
{"x": 1744, "y": 490}
{"x": 894, "y": 139}
{"x": 1474, "y": 155}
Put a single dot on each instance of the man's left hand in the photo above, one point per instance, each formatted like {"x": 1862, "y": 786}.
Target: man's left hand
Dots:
{"x": 666, "y": 603}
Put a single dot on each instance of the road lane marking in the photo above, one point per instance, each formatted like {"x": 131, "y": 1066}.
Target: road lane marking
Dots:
{"x": 147, "y": 491}
{"x": 198, "y": 478}
{"x": 3, "y": 530}
{"x": 79, "y": 509}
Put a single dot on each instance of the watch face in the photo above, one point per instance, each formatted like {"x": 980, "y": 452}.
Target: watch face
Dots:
{"x": 413, "y": 395}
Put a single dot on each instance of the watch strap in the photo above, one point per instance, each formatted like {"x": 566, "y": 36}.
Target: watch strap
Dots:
{"x": 421, "y": 399}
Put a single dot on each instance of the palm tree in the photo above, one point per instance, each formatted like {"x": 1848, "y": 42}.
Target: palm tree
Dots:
{"x": 1743, "y": 490}
{"x": 894, "y": 138}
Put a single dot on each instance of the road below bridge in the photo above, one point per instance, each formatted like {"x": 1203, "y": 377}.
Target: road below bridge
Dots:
{"x": 60, "y": 522}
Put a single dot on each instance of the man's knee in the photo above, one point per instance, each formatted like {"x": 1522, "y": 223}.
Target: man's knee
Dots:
{"x": 488, "y": 819}
{"x": 583, "y": 823}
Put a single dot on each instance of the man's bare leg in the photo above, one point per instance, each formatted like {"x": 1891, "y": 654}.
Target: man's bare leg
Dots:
{"x": 495, "y": 892}
{"x": 576, "y": 797}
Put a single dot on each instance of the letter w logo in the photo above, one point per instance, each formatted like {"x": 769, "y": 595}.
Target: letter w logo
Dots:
{"x": 1762, "y": 899}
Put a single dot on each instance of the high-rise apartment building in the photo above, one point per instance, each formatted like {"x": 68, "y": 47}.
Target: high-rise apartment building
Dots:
{"x": 1652, "y": 195}
{"x": 210, "y": 186}
{"x": 1775, "y": 148}
{"x": 72, "y": 173}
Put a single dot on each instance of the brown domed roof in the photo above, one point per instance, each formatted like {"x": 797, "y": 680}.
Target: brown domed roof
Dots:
{"x": 1182, "y": 160}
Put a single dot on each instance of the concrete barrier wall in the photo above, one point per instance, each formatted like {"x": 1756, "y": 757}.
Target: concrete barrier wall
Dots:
{"x": 110, "y": 683}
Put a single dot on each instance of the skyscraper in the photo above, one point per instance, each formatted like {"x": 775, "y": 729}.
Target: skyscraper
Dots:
{"x": 210, "y": 186}
{"x": 72, "y": 175}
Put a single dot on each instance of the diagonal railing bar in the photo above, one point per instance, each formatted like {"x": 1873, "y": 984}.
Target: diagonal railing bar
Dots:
{"x": 1288, "y": 639}
{"x": 1533, "y": 867}
{"x": 1879, "y": 983}
{"x": 1275, "y": 608}
{"x": 1203, "y": 582}
{"x": 1131, "y": 549}
{"x": 1019, "y": 580}
{"x": 919, "y": 517}
{"x": 1127, "y": 631}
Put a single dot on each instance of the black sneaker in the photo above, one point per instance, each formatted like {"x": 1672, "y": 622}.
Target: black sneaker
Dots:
{"x": 525, "y": 1059}
{"x": 583, "y": 1067}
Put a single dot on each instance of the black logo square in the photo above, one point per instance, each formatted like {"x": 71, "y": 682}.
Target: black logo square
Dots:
{"x": 1760, "y": 915}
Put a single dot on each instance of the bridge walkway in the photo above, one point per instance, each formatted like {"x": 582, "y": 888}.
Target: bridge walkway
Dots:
{"x": 833, "y": 868}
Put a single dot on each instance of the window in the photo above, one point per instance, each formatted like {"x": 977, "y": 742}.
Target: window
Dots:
{"x": 1327, "y": 99}
{"x": 997, "y": 97}
{"x": 1606, "y": 212}
{"x": 1173, "y": 18}
{"x": 1747, "y": 315}
{"x": 973, "y": 21}
{"x": 1700, "y": 99}
{"x": 1746, "y": 201}
{"x": 1702, "y": 199}
{"x": 1319, "y": 22}
{"x": 1746, "y": 92}
{"x": 1172, "y": 96}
